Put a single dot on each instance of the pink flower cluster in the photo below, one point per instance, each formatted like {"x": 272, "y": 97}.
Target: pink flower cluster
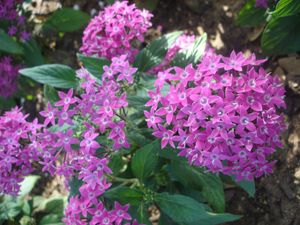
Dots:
{"x": 9, "y": 12}
{"x": 77, "y": 123}
{"x": 182, "y": 42}
{"x": 88, "y": 208}
{"x": 8, "y": 76}
{"x": 111, "y": 33}
{"x": 17, "y": 149}
{"x": 222, "y": 115}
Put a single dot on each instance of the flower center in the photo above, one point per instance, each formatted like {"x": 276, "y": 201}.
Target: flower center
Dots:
{"x": 250, "y": 99}
{"x": 182, "y": 96}
{"x": 267, "y": 98}
{"x": 229, "y": 141}
{"x": 64, "y": 115}
{"x": 211, "y": 140}
{"x": 169, "y": 109}
{"x": 184, "y": 74}
{"x": 165, "y": 135}
{"x": 67, "y": 100}
{"x": 244, "y": 120}
{"x": 252, "y": 83}
{"x": 242, "y": 154}
{"x": 220, "y": 112}
{"x": 121, "y": 141}
{"x": 66, "y": 140}
{"x": 203, "y": 100}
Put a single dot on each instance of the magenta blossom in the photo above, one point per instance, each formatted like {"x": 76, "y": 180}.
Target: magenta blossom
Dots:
{"x": 222, "y": 115}
{"x": 111, "y": 33}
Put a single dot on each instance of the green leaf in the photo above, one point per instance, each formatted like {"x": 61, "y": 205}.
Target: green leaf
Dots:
{"x": 153, "y": 54}
{"x": 170, "y": 153}
{"x": 75, "y": 184}
{"x": 67, "y": 20}
{"x": 55, "y": 206}
{"x": 32, "y": 54}
{"x": 116, "y": 163}
{"x": 209, "y": 184}
{"x": 26, "y": 208}
{"x": 282, "y": 35}
{"x": 137, "y": 102}
{"x": 248, "y": 186}
{"x": 10, "y": 210}
{"x": 55, "y": 75}
{"x": 7, "y": 44}
{"x": 164, "y": 219}
{"x": 250, "y": 15}
{"x": 51, "y": 219}
{"x": 50, "y": 94}
{"x": 110, "y": 2}
{"x": 287, "y": 8}
{"x": 147, "y": 4}
{"x": 93, "y": 64}
{"x": 142, "y": 215}
{"x": 145, "y": 160}
{"x": 125, "y": 195}
{"x": 185, "y": 210}
{"x": 6, "y": 103}
{"x": 192, "y": 54}
{"x": 27, "y": 185}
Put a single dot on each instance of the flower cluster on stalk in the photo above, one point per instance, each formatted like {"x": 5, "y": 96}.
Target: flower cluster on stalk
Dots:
{"x": 82, "y": 130}
{"x": 17, "y": 149}
{"x": 222, "y": 115}
{"x": 9, "y": 11}
{"x": 112, "y": 32}
{"x": 8, "y": 76}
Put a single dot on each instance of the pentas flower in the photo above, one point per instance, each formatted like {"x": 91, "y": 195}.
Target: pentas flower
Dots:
{"x": 8, "y": 76}
{"x": 223, "y": 115}
{"x": 112, "y": 32}
{"x": 10, "y": 12}
{"x": 16, "y": 154}
{"x": 182, "y": 42}
{"x": 79, "y": 123}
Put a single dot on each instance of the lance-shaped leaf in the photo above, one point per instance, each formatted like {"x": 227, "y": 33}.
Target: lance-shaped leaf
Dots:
{"x": 55, "y": 75}
{"x": 145, "y": 160}
{"x": 67, "y": 20}
{"x": 282, "y": 35}
{"x": 192, "y": 54}
{"x": 125, "y": 195}
{"x": 250, "y": 15}
{"x": 93, "y": 64}
{"x": 209, "y": 184}
{"x": 185, "y": 210}
{"x": 154, "y": 53}
{"x": 9, "y": 45}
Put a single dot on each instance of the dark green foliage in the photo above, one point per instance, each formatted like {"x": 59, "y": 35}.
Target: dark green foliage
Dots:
{"x": 67, "y": 20}
{"x": 154, "y": 53}
{"x": 250, "y": 15}
{"x": 55, "y": 75}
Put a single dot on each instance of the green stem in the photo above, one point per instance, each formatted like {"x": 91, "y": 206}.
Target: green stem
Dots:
{"x": 124, "y": 181}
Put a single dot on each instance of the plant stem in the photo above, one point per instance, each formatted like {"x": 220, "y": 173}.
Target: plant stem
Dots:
{"x": 133, "y": 181}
